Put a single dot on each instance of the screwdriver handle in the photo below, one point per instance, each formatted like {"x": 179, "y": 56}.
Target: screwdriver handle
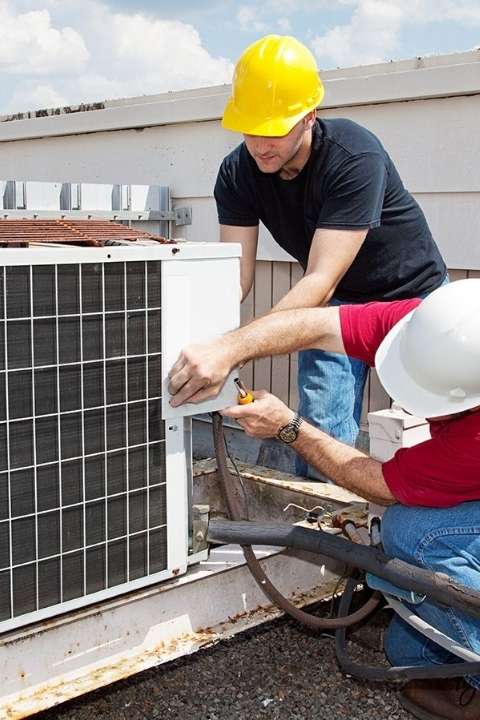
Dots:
{"x": 244, "y": 397}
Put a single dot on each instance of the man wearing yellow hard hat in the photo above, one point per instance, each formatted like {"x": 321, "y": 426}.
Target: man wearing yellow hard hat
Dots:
{"x": 331, "y": 197}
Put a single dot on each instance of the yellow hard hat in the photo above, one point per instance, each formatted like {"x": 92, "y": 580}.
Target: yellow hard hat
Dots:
{"x": 275, "y": 83}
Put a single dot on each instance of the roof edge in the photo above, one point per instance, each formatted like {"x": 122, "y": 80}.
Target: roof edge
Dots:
{"x": 396, "y": 81}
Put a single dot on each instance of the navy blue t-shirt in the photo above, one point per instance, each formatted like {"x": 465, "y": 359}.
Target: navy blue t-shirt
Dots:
{"x": 349, "y": 182}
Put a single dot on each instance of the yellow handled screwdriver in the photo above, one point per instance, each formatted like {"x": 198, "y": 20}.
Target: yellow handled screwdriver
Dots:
{"x": 244, "y": 396}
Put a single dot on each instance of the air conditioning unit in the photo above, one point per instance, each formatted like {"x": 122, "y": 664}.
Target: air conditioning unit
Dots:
{"x": 94, "y": 463}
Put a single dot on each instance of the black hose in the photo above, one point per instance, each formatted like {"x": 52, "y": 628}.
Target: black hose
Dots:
{"x": 439, "y": 587}
{"x": 392, "y": 674}
{"x": 232, "y": 500}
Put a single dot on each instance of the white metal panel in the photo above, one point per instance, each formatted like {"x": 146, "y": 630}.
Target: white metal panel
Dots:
{"x": 43, "y": 196}
{"x": 137, "y": 251}
{"x": 392, "y": 429}
{"x": 176, "y": 462}
{"x": 96, "y": 197}
{"x": 139, "y": 197}
{"x": 167, "y": 109}
{"x": 200, "y": 300}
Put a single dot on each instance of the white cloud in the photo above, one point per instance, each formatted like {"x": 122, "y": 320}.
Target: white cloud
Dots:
{"x": 164, "y": 55}
{"x": 373, "y": 33}
{"x": 56, "y": 52}
{"x": 290, "y": 7}
{"x": 29, "y": 44}
{"x": 270, "y": 15}
{"x": 466, "y": 12}
{"x": 248, "y": 19}
{"x": 108, "y": 55}
{"x": 35, "y": 96}
{"x": 284, "y": 25}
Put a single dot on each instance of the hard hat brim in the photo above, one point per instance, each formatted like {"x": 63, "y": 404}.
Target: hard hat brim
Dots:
{"x": 274, "y": 127}
{"x": 402, "y": 386}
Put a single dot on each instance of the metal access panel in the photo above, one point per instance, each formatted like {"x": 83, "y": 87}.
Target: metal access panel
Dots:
{"x": 201, "y": 300}
{"x": 93, "y": 480}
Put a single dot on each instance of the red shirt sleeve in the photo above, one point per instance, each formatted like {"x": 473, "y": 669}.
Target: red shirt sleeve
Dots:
{"x": 364, "y": 326}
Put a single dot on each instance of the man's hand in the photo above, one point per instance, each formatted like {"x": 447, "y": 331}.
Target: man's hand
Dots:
{"x": 345, "y": 465}
{"x": 200, "y": 372}
{"x": 262, "y": 418}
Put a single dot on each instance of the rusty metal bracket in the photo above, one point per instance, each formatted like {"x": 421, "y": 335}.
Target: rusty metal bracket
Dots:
{"x": 200, "y": 517}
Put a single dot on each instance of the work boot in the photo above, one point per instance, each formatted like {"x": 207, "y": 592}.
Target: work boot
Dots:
{"x": 449, "y": 699}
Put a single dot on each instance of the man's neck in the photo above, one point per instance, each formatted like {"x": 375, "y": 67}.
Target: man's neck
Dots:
{"x": 295, "y": 165}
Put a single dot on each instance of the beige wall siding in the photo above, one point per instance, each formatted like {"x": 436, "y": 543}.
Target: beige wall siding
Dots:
{"x": 279, "y": 374}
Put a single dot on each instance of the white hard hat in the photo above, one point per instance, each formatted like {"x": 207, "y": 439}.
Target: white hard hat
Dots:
{"x": 430, "y": 360}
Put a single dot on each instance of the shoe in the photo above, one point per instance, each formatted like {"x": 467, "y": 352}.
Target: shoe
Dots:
{"x": 449, "y": 699}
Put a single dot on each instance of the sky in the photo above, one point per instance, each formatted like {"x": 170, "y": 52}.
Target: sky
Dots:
{"x": 64, "y": 52}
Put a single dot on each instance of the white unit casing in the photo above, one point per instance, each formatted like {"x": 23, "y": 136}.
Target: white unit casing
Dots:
{"x": 94, "y": 462}
{"x": 392, "y": 429}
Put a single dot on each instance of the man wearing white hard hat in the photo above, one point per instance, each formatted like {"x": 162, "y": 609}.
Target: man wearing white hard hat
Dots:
{"x": 427, "y": 355}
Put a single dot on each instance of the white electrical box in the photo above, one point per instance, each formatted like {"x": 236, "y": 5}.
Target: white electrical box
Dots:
{"x": 392, "y": 429}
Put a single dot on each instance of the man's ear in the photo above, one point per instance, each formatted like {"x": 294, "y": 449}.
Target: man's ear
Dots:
{"x": 309, "y": 119}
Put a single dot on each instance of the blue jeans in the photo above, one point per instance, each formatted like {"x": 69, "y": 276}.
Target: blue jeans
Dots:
{"x": 330, "y": 388}
{"x": 444, "y": 540}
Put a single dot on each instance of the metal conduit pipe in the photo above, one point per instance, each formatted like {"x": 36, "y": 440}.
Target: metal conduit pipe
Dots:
{"x": 438, "y": 587}
{"x": 217, "y": 534}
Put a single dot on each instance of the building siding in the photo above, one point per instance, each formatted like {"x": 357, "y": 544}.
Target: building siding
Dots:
{"x": 425, "y": 111}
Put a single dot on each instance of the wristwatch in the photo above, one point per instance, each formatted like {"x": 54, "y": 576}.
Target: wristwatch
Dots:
{"x": 289, "y": 432}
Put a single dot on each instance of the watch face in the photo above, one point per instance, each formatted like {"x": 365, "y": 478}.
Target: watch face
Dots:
{"x": 287, "y": 434}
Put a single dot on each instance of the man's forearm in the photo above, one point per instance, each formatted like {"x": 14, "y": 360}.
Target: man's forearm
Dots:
{"x": 345, "y": 465}
{"x": 313, "y": 290}
{"x": 284, "y": 332}
{"x": 200, "y": 370}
